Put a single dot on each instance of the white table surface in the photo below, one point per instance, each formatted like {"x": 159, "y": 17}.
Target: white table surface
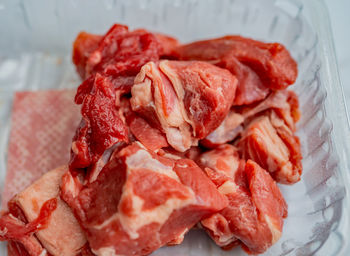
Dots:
{"x": 339, "y": 11}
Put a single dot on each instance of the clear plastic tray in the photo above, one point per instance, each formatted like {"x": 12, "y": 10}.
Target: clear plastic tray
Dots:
{"x": 35, "y": 45}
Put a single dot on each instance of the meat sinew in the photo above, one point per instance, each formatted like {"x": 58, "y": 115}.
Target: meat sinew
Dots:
{"x": 141, "y": 201}
{"x": 254, "y": 216}
{"x": 186, "y": 100}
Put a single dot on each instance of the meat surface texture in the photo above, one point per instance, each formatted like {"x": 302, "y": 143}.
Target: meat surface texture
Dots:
{"x": 254, "y": 216}
{"x": 270, "y": 141}
{"x": 186, "y": 100}
{"x": 101, "y": 126}
{"x": 259, "y": 66}
{"x": 145, "y": 202}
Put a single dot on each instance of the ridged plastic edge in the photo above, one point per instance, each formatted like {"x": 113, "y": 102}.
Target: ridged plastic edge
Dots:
{"x": 337, "y": 112}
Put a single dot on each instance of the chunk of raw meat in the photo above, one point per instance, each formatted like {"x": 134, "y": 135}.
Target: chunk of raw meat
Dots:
{"x": 193, "y": 153}
{"x": 150, "y": 137}
{"x": 255, "y": 212}
{"x": 141, "y": 201}
{"x": 168, "y": 44}
{"x": 119, "y": 53}
{"x": 62, "y": 234}
{"x": 258, "y": 66}
{"x": 250, "y": 87}
{"x": 186, "y": 100}
{"x": 83, "y": 46}
{"x": 122, "y": 52}
{"x": 269, "y": 142}
{"x": 284, "y": 103}
{"x": 101, "y": 127}
{"x": 21, "y": 234}
{"x": 16, "y": 249}
{"x": 228, "y": 130}
{"x": 224, "y": 159}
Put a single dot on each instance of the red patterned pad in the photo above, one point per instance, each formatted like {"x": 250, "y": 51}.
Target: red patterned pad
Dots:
{"x": 42, "y": 126}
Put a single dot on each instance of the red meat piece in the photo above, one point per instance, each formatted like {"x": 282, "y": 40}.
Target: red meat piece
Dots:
{"x": 258, "y": 66}
{"x": 101, "y": 127}
{"x": 224, "y": 159}
{"x": 250, "y": 87}
{"x": 83, "y": 46}
{"x": 141, "y": 201}
{"x": 186, "y": 100}
{"x": 228, "y": 130}
{"x": 50, "y": 219}
{"x": 272, "y": 144}
{"x": 284, "y": 103}
{"x": 13, "y": 229}
{"x": 16, "y": 249}
{"x": 150, "y": 137}
{"x": 168, "y": 44}
{"x": 255, "y": 212}
{"x": 119, "y": 53}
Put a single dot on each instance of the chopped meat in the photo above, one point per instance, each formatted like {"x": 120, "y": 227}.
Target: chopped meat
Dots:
{"x": 16, "y": 249}
{"x": 228, "y": 130}
{"x": 186, "y": 100}
{"x": 150, "y": 137}
{"x": 250, "y": 86}
{"x": 193, "y": 153}
{"x": 137, "y": 179}
{"x": 13, "y": 229}
{"x": 284, "y": 103}
{"x": 167, "y": 43}
{"x": 257, "y": 65}
{"x": 141, "y": 201}
{"x": 270, "y": 143}
{"x": 83, "y": 46}
{"x": 101, "y": 127}
{"x": 255, "y": 212}
{"x": 119, "y": 53}
{"x": 224, "y": 159}
{"x": 62, "y": 234}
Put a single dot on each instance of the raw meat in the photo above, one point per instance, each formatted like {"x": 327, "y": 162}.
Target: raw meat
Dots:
{"x": 284, "y": 104}
{"x": 119, "y": 53}
{"x": 150, "y": 137}
{"x": 228, "y": 130}
{"x": 60, "y": 234}
{"x": 269, "y": 142}
{"x": 101, "y": 127}
{"x": 224, "y": 159}
{"x": 138, "y": 179}
{"x": 167, "y": 43}
{"x": 21, "y": 233}
{"x": 258, "y": 66}
{"x": 254, "y": 216}
{"x": 187, "y": 100}
{"x": 141, "y": 201}
{"x": 83, "y": 46}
